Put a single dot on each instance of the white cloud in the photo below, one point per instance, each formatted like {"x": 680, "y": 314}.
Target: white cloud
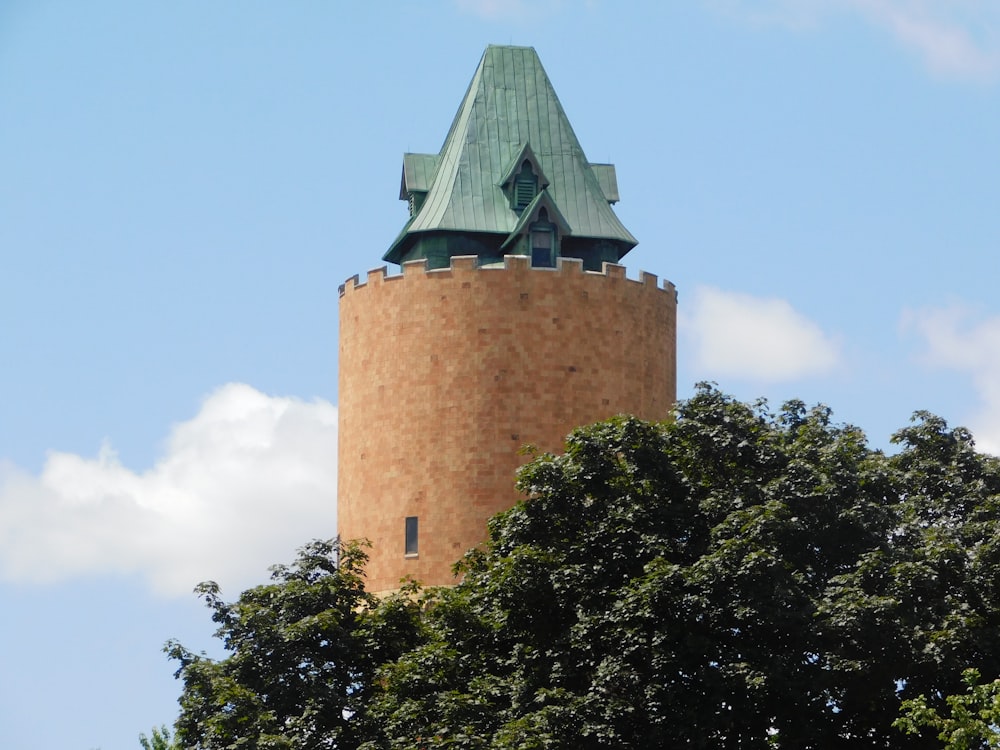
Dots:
{"x": 958, "y": 38}
{"x": 240, "y": 486}
{"x": 795, "y": 14}
{"x": 953, "y": 37}
{"x": 512, "y": 10}
{"x": 491, "y": 9}
{"x": 956, "y": 340}
{"x": 756, "y": 338}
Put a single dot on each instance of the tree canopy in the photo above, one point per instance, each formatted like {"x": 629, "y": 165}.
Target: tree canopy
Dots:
{"x": 304, "y": 651}
{"x": 969, "y": 720}
{"x": 159, "y": 739}
{"x": 732, "y": 578}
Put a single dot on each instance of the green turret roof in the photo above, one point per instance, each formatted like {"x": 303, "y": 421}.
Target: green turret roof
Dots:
{"x": 510, "y": 117}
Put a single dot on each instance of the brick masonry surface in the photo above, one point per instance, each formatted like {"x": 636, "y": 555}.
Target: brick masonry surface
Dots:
{"x": 446, "y": 374}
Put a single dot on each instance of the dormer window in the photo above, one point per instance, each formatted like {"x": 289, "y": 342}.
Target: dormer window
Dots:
{"x": 539, "y": 232}
{"x": 523, "y": 180}
{"x": 542, "y": 235}
{"x": 418, "y": 176}
{"x": 525, "y": 187}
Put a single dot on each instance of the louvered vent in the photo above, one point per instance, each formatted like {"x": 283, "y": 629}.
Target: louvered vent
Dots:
{"x": 415, "y": 199}
{"x": 524, "y": 192}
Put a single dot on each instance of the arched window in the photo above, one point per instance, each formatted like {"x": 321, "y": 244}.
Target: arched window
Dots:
{"x": 542, "y": 234}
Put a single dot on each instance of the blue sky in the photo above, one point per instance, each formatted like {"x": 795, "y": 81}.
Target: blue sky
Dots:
{"x": 184, "y": 185}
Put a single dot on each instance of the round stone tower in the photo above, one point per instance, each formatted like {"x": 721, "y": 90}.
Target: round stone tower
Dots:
{"x": 446, "y": 374}
{"x": 511, "y": 324}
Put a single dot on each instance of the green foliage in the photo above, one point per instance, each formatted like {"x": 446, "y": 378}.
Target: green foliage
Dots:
{"x": 303, "y": 652}
{"x": 732, "y": 579}
{"x": 971, "y": 721}
{"x": 158, "y": 740}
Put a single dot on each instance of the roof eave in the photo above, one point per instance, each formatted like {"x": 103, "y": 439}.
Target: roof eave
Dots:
{"x": 399, "y": 245}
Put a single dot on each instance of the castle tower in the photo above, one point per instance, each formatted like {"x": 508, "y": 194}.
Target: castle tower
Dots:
{"x": 510, "y": 324}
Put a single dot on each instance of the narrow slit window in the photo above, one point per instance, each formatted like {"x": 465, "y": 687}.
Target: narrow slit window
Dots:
{"x": 411, "y": 547}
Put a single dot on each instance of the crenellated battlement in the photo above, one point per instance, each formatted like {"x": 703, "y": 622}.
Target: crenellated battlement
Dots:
{"x": 518, "y": 265}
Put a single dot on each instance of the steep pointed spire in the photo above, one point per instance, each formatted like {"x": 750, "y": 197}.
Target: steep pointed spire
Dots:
{"x": 510, "y": 141}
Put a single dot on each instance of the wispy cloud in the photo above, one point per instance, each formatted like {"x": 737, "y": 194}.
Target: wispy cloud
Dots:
{"x": 952, "y": 37}
{"x": 763, "y": 339}
{"x": 795, "y": 14}
{"x": 956, "y": 338}
{"x": 240, "y": 486}
{"x": 513, "y": 10}
{"x": 956, "y": 38}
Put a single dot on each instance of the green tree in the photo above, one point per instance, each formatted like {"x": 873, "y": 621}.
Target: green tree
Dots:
{"x": 732, "y": 579}
{"x": 918, "y": 609}
{"x": 158, "y": 740}
{"x": 303, "y": 653}
{"x": 970, "y": 722}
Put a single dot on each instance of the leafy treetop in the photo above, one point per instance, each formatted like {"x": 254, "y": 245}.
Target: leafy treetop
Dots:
{"x": 732, "y": 578}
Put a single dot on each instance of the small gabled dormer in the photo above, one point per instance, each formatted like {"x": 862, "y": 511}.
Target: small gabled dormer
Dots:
{"x": 608, "y": 180}
{"x": 418, "y": 176}
{"x": 523, "y": 179}
{"x": 539, "y": 232}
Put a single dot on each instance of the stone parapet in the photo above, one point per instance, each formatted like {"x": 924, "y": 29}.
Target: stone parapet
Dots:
{"x": 463, "y": 263}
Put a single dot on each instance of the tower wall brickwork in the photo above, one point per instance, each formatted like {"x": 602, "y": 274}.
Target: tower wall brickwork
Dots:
{"x": 445, "y": 374}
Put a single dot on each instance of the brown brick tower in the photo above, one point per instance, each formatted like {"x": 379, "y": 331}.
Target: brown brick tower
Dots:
{"x": 511, "y": 324}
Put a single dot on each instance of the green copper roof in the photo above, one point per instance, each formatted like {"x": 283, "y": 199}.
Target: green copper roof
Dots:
{"x": 510, "y": 113}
